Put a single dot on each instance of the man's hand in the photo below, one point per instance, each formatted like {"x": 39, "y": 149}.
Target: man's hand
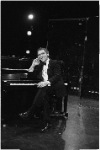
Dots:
{"x": 43, "y": 84}
{"x": 34, "y": 63}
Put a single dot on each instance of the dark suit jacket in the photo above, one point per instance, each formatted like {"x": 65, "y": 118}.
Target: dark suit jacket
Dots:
{"x": 54, "y": 76}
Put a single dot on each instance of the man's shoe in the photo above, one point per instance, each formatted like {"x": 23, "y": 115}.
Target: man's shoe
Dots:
{"x": 66, "y": 115}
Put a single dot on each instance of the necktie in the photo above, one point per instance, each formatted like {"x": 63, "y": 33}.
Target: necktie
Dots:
{"x": 43, "y": 63}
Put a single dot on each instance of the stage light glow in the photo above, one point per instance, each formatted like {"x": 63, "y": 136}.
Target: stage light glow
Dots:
{"x": 29, "y": 33}
{"x": 27, "y": 51}
{"x": 30, "y": 16}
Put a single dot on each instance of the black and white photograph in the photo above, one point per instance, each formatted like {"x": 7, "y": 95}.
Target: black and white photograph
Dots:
{"x": 49, "y": 75}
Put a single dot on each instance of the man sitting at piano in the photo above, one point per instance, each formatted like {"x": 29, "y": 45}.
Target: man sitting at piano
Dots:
{"x": 49, "y": 72}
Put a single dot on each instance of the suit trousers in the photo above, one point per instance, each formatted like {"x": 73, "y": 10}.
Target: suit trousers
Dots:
{"x": 42, "y": 99}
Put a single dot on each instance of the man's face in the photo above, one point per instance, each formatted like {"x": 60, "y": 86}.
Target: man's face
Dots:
{"x": 42, "y": 55}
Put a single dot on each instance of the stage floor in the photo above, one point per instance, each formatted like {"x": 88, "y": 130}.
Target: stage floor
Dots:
{"x": 79, "y": 131}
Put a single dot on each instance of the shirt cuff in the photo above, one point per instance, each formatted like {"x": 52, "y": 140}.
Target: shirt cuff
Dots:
{"x": 48, "y": 82}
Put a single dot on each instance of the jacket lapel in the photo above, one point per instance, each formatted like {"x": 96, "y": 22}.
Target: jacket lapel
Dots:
{"x": 49, "y": 67}
{"x": 50, "y": 62}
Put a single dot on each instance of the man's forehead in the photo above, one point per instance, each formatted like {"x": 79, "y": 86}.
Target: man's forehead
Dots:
{"x": 41, "y": 51}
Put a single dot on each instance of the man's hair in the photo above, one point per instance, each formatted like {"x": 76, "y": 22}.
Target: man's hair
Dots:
{"x": 41, "y": 48}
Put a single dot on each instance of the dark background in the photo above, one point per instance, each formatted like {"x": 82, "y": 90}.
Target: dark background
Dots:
{"x": 14, "y": 22}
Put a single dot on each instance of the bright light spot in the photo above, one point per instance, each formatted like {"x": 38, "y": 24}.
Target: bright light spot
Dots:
{"x": 27, "y": 51}
{"x": 30, "y": 16}
{"x": 74, "y": 88}
{"x": 66, "y": 83}
{"x": 96, "y": 92}
{"x": 29, "y": 33}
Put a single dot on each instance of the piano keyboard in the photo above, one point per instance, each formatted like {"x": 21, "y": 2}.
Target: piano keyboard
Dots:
{"x": 23, "y": 84}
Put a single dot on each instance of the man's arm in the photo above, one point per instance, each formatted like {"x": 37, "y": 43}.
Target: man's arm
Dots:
{"x": 34, "y": 63}
{"x": 31, "y": 69}
{"x": 56, "y": 70}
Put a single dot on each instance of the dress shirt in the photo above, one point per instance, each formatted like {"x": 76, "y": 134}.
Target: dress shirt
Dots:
{"x": 44, "y": 71}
